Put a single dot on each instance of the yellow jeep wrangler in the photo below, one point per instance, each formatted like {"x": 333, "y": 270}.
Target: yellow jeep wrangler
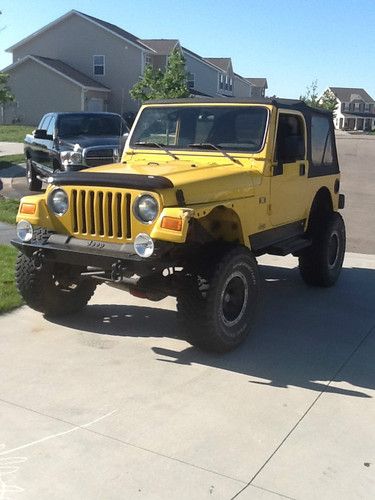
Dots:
{"x": 203, "y": 188}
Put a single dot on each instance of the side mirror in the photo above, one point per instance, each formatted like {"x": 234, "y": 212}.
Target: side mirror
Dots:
{"x": 40, "y": 133}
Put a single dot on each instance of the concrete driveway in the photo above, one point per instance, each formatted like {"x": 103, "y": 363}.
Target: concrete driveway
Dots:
{"x": 111, "y": 404}
{"x": 11, "y": 148}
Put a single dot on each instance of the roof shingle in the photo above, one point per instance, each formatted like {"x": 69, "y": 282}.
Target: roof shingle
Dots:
{"x": 161, "y": 46}
{"x": 73, "y": 74}
{"x": 348, "y": 94}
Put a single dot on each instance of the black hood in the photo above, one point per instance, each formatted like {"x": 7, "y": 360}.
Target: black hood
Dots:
{"x": 86, "y": 141}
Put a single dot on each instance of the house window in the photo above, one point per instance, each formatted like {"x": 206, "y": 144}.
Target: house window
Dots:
{"x": 226, "y": 82}
{"x": 148, "y": 59}
{"x": 231, "y": 84}
{"x": 99, "y": 65}
{"x": 367, "y": 108}
{"x": 190, "y": 80}
{"x": 221, "y": 81}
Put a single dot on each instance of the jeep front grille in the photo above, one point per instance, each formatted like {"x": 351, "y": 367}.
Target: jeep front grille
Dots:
{"x": 101, "y": 214}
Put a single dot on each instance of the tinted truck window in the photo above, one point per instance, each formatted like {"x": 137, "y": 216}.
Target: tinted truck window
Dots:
{"x": 321, "y": 141}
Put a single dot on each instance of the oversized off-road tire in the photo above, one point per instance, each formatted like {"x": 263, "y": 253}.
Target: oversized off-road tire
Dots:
{"x": 216, "y": 309}
{"x": 33, "y": 183}
{"x": 55, "y": 288}
{"x": 321, "y": 263}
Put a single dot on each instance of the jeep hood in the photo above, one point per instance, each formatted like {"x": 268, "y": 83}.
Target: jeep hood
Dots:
{"x": 216, "y": 181}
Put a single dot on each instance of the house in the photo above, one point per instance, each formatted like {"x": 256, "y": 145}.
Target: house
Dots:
{"x": 81, "y": 63}
{"x": 355, "y": 110}
{"x": 259, "y": 86}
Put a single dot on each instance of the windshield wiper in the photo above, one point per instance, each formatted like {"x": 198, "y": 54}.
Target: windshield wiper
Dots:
{"x": 158, "y": 145}
{"x": 213, "y": 146}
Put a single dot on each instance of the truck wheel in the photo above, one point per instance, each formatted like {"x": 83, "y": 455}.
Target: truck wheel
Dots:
{"x": 321, "y": 263}
{"x": 217, "y": 308}
{"x": 55, "y": 288}
{"x": 33, "y": 183}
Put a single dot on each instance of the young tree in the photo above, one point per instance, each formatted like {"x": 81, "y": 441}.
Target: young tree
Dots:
{"x": 158, "y": 84}
{"x": 326, "y": 101}
{"x": 5, "y": 93}
{"x": 311, "y": 95}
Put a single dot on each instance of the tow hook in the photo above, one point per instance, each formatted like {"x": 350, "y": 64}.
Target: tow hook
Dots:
{"x": 38, "y": 259}
{"x": 118, "y": 270}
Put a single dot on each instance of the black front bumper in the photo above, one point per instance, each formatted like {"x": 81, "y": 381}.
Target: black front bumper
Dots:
{"x": 74, "y": 251}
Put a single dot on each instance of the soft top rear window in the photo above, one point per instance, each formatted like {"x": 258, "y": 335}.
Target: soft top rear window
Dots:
{"x": 231, "y": 128}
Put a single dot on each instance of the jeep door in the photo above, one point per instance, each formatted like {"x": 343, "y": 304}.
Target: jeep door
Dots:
{"x": 289, "y": 169}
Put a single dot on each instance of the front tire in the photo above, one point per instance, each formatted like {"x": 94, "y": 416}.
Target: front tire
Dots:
{"x": 55, "y": 288}
{"x": 33, "y": 183}
{"x": 321, "y": 263}
{"x": 217, "y": 308}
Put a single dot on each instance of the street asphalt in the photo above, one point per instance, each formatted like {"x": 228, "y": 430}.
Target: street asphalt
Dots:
{"x": 111, "y": 403}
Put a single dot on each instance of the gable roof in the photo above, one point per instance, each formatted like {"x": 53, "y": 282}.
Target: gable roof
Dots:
{"x": 258, "y": 82}
{"x": 119, "y": 32}
{"x": 63, "y": 70}
{"x": 351, "y": 94}
{"x": 245, "y": 80}
{"x": 222, "y": 63}
{"x": 162, "y": 46}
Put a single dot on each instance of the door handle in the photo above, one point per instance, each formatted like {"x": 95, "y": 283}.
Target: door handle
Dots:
{"x": 302, "y": 169}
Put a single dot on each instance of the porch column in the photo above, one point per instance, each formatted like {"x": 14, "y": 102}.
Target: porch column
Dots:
{"x": 355, "y": 123}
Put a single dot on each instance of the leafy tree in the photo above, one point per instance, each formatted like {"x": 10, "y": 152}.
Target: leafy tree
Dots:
{"x": 326, "y": 101}
{"x": 311, "y": 95}
{"x": 5, "y": 93}
{"x": 158, "y": 84}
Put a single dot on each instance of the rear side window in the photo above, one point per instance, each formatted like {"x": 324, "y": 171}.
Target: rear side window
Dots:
{"x": 290, "y": 142}
{"x": 321, "y": 141}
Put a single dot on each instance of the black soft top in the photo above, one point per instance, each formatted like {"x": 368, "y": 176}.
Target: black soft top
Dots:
{"x": 296, "y": 104}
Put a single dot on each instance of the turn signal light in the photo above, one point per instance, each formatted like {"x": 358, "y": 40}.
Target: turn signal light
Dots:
{"x": 172, "y": 223}
{"x": 28, "y": 208}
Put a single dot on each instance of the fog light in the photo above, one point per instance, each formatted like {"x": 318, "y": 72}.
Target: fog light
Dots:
{"x": 143, "y": 245}
{"x": 24, "y": 230}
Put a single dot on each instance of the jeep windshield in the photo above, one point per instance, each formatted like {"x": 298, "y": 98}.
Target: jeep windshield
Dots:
{"x": 72, "y": 125}
{"x": 230, "y": 128}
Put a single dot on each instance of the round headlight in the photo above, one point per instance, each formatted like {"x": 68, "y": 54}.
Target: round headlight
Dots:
{"x": 143, "y": 245}
{"x": 146, "y": 208}
{"x": 58, "y": 202}
{"x": 24, "y": 230}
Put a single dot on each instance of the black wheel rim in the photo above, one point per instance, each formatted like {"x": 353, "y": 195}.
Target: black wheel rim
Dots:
{"x": 234, "y": 298}
{"x": 333, "y": 250}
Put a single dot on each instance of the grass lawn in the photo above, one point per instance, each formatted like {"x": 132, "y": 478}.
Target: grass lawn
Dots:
{"x": 9, "y": 296}
{"x": 8, "y": 210}
{"x": 8, "y": 161}
{"x": 14, "y": 133}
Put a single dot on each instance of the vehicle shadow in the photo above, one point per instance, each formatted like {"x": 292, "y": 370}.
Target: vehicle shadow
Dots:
{"x": 303, "y": 336}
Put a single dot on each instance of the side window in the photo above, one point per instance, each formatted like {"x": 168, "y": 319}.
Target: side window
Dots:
{"x": 51, "y": 126}
{"x": 290, "y": 142}
{"x": 44, "y": 122}
{"x": 321, "y": 141}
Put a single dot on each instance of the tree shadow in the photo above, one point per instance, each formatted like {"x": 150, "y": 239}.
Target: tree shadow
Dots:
{"x": 302, "y": 337}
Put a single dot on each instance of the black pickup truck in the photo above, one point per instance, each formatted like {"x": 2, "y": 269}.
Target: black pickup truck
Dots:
{"x": 72, "y": 141}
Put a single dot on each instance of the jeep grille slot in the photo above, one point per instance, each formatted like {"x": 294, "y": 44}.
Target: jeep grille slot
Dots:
{"x": 101, "y": 214}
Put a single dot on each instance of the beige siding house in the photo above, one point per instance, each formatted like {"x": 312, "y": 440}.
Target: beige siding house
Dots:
{"x": 82, "y": 63}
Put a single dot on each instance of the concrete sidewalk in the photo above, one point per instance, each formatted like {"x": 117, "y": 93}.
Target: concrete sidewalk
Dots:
{"x": 112, "y": 404}
{"x": 11, "y": 148}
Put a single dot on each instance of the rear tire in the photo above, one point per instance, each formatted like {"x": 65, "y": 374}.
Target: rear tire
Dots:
{"x": 321, "y": 263}
{"x": 217, "y": 308}
{"x": 33, "y": 183}
{"x": 54, "y": 289}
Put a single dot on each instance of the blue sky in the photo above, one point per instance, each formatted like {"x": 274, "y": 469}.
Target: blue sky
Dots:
{"x": 291, "y": 42}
